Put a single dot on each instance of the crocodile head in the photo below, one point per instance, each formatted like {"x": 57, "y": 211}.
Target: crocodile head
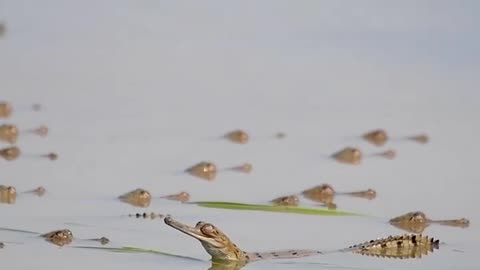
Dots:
{"x": 59, "y": 237}
{"x": 412, "y": 221}
{"x": 138, "y": 197}
{"x": 215, "y": 242}
{"x": 411, "y": 217}
{"x": 322, "y": 193}
{"x": 8, "y": 194}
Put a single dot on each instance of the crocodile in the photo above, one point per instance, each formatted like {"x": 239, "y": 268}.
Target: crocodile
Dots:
{"x": 348, "y": 155}
{"x": 8, "y": 194}
{"x": 237, "y": 136}
{"x": 5, "y": 108}
{"x": 64, "y": 237}
{"x": 9, "y": 133}
{"x": 379, "y": 137}
{"x": 60, "y": 237}
{"x": 205, "y": 170}
{"x": 221, "y": 248}
{"x": 138, "y": 197}
{"x": 325, "y": 193}
{"x": 10, "y": 153}
{"x": 417, "y": 221}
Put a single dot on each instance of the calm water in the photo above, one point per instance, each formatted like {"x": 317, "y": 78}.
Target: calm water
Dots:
{"x": 135, "y": 92}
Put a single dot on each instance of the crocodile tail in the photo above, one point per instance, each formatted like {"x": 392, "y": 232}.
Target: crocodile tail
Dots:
{"x": 400, "y": 246}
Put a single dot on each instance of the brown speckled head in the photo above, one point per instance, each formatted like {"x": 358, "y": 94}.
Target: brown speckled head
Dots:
{"x": 138, "y": 197}
{"x": 237, "y": 136}
{"x": 415, "y": 222}
{"x": 59, "y": 237}
{"x": 204, "y": 170}
{"x": 8, "y": 194}
{"x": 377, "y": 137}
{"x": 5, "y": 109}
{"x": 215, "y": 242}
{"x": 8, "y": 133}
{"x": 348, "y": 155}
{"x": 291, "y": 200}
{"x": 322, "y": 193}
{"x": 10, "y": 153}
{"x": 411, "y": 217}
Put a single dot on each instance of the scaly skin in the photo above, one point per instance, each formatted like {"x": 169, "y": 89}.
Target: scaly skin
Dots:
{"x": 221, "y": 248}
{"x": 399, "y": 246}
{"x": 59, "y": 237}
{"x": 417, "y": 221}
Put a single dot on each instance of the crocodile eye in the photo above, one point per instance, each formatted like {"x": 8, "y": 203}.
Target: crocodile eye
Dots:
{"x": 200, "y": 224}
{"x": 208, "y": 229}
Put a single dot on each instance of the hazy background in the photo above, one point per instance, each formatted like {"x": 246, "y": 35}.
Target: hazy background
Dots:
{"x": 136, "y": 91}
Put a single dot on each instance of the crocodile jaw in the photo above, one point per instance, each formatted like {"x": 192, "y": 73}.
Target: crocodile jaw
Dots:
{"x": 193, "y": 232}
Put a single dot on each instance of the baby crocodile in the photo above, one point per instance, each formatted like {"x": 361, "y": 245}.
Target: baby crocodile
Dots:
{"x": 237, "y": 136}
{"x": 417, "y": 221}
{"x": 325, "y": 194}
{"x": 205, "y": 170}
{"x": 8, "y": 194}
{"x": 221, "y": 248}
{"x": 138, "y": 197}
{"x": 59, "y": 237}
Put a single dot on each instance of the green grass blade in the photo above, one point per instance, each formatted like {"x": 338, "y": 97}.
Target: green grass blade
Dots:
{"x": 306, "y": 210}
